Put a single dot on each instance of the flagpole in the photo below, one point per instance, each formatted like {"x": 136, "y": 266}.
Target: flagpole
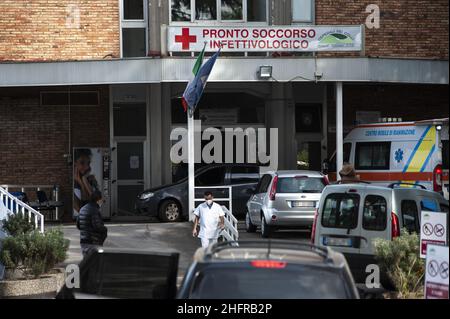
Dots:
{"x": 191, "y": 163}
{"x": 191, "y": 140}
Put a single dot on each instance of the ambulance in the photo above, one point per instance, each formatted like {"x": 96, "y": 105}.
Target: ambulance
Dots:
{"x": 408, "y": 153}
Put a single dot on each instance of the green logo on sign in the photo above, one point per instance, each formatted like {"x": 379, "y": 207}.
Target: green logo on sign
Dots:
{"x": 336, "y": 39}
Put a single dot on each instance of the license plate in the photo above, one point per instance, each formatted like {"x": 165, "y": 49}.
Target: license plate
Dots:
{"x": 303, "y": 204}
{"x": 337, "y": 242}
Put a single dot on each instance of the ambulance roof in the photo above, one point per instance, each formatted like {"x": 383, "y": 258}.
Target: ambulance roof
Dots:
{"x": 392, "y": 131}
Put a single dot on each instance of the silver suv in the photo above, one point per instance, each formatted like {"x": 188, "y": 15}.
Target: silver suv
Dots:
{"x": 284, "y": 199}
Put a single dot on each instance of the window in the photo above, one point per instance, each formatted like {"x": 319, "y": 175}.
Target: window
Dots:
{"x": 373, "y": 156}
{"x": 341, "y": 211}
{"x": 444, "y": 208}
{"x": 256, "y": 11}
{"x": 410, "y": 216}
{"x": 133, "y": 42}
{"x": 232, "y": 10}
{"x": 134, "y": 28}
{"x": 130, "y": 120}
{"x": 375, "y": 213}
{"x": 263, "y": 184}
{"x": 133, "y": 10}
{"x": 429, "y": 205}
{"x": 211, "y": 177}
{"x": 308, "y": 118}
{"x": 181, "y": 10}
{"x": 244, "y": 174}
{"x": 219, "y": 10}
{"x": 303, "y": 11}
{"x": 244, "y": 282}
{"x": 300, "y": 185}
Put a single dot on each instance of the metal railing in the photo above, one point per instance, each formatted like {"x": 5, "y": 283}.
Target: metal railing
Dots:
{"x": 53, "y": 190}
{"x": 230, "y": 232}
{"x": 14, "y": 205}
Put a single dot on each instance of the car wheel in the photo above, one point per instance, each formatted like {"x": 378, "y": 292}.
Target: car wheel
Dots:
{"x": 249, "y": 227}
{"x": 170, "y": 211}
{"x": 265, "y": 229}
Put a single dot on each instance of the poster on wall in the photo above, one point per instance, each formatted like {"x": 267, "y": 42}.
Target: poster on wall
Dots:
{"x": 91, "y": 173}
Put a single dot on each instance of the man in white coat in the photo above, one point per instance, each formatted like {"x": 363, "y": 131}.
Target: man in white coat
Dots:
{"x": 210, "y": 217}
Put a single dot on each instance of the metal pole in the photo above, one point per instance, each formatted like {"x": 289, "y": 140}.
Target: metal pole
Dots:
{"x": 191, "y": 163}
{"x": 339, "y": 129}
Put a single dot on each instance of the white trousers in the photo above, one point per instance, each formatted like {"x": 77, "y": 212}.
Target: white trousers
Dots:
{"x": 206, "y": 242}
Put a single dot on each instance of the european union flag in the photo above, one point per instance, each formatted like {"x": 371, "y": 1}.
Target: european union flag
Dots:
{"x": 195, "y": 88}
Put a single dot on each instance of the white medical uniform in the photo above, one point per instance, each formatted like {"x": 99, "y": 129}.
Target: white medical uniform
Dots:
{"x": 209, "y": 222}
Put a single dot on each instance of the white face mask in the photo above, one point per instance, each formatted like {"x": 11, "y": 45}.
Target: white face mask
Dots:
{"x": 209, "y": 202}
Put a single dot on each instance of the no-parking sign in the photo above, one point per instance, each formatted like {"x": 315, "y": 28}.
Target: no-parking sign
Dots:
{"x": 436, "y": 272}
{"x": 433, "y": 230}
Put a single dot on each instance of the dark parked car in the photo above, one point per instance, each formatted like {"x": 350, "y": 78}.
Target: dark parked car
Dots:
{"x": 268, "y": 270}
{"x": 230, "y": 270}
{"x": 170, "y": 202}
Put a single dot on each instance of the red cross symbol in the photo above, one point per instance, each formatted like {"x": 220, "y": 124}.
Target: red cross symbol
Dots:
{"x": 185, "y": 39}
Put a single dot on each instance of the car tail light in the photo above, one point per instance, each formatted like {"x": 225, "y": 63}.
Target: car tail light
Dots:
{"x": 437, "y": 178}
{"x": 326, "y": 181}
{"x": 269, "y": 264}
{"x": 395, "y": 226}
{"x": 273, "y": 189}
{"x": 313, "y": 230}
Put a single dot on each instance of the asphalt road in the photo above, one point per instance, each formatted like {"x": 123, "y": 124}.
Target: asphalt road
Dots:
{"x": 161, "y": 237}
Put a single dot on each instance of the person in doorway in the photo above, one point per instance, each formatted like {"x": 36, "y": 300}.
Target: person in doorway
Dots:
{"x": 348, "y": 174}
{"x": 93, "y": 232}
{"x": 211, "y": 219}
{"x": 84, "y": 183}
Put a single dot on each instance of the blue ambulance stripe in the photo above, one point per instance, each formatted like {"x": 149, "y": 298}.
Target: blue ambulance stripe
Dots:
{"x": 415, "y": 149}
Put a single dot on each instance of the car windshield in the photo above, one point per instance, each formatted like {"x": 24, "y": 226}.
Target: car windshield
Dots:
{"x": 300, "y": 184}
{"x": 292, "y": 282}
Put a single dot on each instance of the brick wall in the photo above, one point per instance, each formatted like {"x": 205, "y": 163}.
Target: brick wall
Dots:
{"x": 409, "y": 102}
{"x": 408, "y": 28}
{"x": 34, "y": 138}
{"x": 42, "y": 30}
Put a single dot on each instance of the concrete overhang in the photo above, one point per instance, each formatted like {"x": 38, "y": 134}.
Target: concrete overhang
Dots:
{"x": 149, "y": 70}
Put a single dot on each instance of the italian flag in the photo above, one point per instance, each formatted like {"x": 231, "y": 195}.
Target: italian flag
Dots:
{"x": 198, "y": 64}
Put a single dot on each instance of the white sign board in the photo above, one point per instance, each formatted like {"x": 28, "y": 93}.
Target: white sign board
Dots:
{"x": 436, "y": 272}
{"x": 433, "y": 230}
{"x": 264, "y": 39}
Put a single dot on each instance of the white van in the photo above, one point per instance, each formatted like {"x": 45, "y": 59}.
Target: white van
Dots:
{"x": 407, "y": 152}
{"x": 351, "y": 216}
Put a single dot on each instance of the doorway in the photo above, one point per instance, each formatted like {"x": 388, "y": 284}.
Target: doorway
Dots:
{"x": 130, "y": 161}
{"x": 130, "y": 149}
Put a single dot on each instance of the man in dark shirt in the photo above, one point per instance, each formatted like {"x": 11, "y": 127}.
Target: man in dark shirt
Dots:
{"x": 92, "y": 229}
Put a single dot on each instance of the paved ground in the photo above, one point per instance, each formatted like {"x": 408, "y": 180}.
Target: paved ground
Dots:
{"x": 160, "y": 237}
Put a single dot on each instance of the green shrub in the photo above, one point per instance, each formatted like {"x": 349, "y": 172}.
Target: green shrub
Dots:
{"x": 34, "y": 253}
{"x": 400, "y": 260}
{"x": 17, "y": 224}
